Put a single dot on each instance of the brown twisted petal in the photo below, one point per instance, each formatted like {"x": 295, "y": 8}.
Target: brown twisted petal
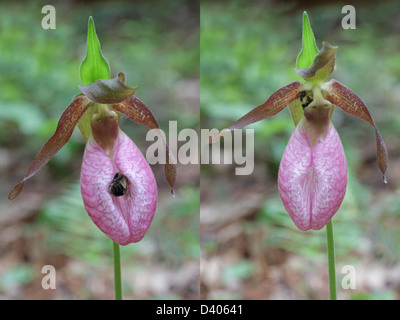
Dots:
{"x": 65, "y": 127}
{"x": 322, "y": 66}
{"x": 109, "y": 91}
{"x": 138, "y": 112}
{"x": 347, "y": 100}
{"x": 275, "y": 104}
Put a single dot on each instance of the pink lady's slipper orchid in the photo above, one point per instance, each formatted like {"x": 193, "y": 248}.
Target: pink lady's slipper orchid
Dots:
{"x": 118, "y": 187}
{"x": 312, "y": 176}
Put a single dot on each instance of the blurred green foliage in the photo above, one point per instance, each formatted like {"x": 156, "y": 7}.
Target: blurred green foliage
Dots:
{"x": 22, "y": 274}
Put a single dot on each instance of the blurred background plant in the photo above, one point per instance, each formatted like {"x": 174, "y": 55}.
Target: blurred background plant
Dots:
{"x": 250, "y": 249}
{"x": 156, "y": 44}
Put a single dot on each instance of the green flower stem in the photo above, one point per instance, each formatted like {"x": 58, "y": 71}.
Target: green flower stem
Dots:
{"x": 117, "y": 272}
{"x": 331, "y": 260}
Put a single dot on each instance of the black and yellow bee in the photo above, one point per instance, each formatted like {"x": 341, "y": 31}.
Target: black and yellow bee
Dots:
{"x": 305, "y": 98}
{"x": 119, "y": 185}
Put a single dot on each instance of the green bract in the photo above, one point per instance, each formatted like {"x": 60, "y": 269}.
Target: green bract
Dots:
{"x": 321, "y": 67}
{"x": 94, "y": 67}
{"x": 309, "y": 48}
{"x": 313, "y": 65}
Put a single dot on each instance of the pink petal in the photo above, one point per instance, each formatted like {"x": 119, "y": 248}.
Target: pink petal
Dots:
{"x": 124, "y": 220}
{"x": 312, "y": 181}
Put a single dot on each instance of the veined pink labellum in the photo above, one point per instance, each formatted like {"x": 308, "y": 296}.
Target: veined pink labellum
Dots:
{"x": 312, "y": 180}
{"x": 123, "y": 218}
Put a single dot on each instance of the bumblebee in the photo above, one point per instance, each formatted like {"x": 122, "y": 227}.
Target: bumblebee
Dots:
{"x": 305, "y": 98}
{"x": 119, "y": 186}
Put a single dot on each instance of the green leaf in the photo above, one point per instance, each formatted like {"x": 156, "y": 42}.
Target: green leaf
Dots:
{"x": 309, "y": 49}
{"x": 94, "y": 66}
